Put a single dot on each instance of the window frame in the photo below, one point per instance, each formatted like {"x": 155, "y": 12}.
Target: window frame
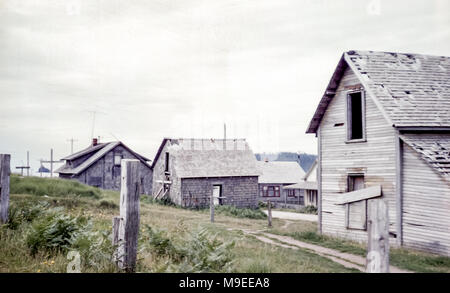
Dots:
{"x": 115, "y": 156}
{"x": 290, "y": 192}
{"x": 349, "y": 116}
{"x": 266, "y": 188}
{"x": 166, "y": 162}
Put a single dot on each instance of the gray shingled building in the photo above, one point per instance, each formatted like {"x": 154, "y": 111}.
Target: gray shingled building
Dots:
{"x": 99, "y": 166}
{"x": 275, "y": 176}
{"x": 383, "y": 129}
{"x": 189, "y": 171}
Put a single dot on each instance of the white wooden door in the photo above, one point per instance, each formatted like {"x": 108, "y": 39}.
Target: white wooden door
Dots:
{"x": 217, "y": 192}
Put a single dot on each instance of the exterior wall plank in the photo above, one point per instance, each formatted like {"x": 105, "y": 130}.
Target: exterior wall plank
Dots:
{"x": 426, "y": 206}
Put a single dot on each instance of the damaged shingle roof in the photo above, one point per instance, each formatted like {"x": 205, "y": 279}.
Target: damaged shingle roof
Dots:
{"x": 196, "y": 158}
{"x": 97, "y": 152}
{"x": 412, "y": 90}
{"x": 433, "y": 149}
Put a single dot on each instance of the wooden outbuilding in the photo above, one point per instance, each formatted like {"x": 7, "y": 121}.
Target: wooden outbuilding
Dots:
{"x": 99, "y": 165}
{"x": 189, "y": 171}
{"x": 383, "y": 129}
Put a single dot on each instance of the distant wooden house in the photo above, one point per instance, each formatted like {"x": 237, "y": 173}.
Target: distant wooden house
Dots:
{"x": 99, "y": 165}
{"x": 307, "y": 187}
{"x": 275, "y": 176}
{"x": 189, "y": 171}
{"x": 383, "y": 129}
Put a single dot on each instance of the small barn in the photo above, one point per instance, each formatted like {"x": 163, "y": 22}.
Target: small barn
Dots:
{"x": 190, "y": 171}
{"x": 308, "y": 186}
{"x": 99, "y": 165}
{"x": 383, "y": 129}
{"x": 275, "y": 176}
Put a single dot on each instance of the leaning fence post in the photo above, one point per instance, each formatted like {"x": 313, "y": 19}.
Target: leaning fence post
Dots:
{"x": 377, "y": 260}
{"x": 211, "y": 207}
{"x": 4, "y": 186}
{"x": 126, "y": 227}
{"x": 269, "y": 213}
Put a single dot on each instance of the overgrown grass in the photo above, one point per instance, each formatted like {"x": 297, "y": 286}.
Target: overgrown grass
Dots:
{"x": 179, "y": 229}
{"x": 37, "y": 238}
{"x": 51, "y": 187}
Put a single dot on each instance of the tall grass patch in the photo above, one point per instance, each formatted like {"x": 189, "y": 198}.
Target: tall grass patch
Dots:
{"x": 51, "y": 187}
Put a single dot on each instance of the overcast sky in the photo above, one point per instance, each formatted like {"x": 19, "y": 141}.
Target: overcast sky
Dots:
{"x": 181, "y": 68}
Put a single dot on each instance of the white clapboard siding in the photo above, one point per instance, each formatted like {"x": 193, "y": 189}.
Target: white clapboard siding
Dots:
{"x": 375, "y": 158}
{"x": 426, "y": 205}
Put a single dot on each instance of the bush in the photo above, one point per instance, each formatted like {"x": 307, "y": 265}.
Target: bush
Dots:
{"x": 107, "y": 204}
{"x": 241, "y": 212}
{"x": 166, "y": 201}
{"x": 55, "y": 232}
{"x": 24, "y": 212}
{"x": 262, "y": 204}
{"x": 51, "y": 187}
{"x": 309, "y": 210}
{"x": 200, "y": 253}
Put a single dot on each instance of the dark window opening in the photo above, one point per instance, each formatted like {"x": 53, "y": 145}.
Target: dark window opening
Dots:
{"x": 355, "y": 182}
{"x": 167, "y": 163}
{"x": 355, "y": 116}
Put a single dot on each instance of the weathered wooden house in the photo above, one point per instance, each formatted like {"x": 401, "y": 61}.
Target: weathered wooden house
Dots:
{"x": 189, "y": 171}
{"x": 383, "y": 129}
{"x": 99, "y": 165}
{"x": 275, "y": 176}
{"x": 307, "y": 187}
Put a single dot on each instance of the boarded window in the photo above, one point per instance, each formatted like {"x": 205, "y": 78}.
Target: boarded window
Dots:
{"x": 355, "y": 116}
{"x": 356, "y": 212}
{"x": 117, "y": 160}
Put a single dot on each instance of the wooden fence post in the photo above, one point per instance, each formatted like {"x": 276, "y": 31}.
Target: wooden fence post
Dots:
{"x": 269, "y": 213}
{"x": 211, "y": 207}
{"x": 117, "y": 240}
{"x": 4, "y": 186}
{"x": 126, "y": 227}
{"x": 378, "y": 237}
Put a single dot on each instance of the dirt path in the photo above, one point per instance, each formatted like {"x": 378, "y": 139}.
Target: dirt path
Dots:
{"x": 346, "y": 259}
{"x": 293, "y": 216}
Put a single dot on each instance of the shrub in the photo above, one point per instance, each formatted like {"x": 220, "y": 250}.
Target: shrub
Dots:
{"x": 107, "y": 204}
{"x": 55, "y": 232}
{"x": 309, "y": 210}
{"x": 199, "y": 253}
{"x": 166, "y": 201}
{"x": 262, "y": 204}
{"x": 51, "y": 187}
{"x": 24, "y": 212}
{"x": 241, "y": 212}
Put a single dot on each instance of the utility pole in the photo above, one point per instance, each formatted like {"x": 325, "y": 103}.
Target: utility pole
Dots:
{"x": 225, "y": 131}
{"x": 72, "y": 140}
{"x": 51, "y": 162}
